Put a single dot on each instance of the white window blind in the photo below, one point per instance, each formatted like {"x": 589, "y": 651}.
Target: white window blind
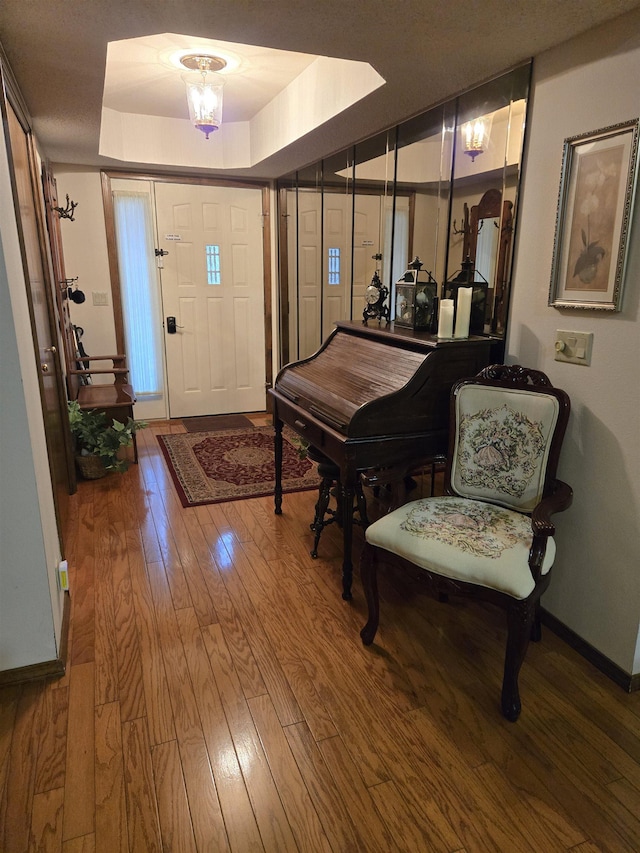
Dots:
{"x": 140, "y": 297}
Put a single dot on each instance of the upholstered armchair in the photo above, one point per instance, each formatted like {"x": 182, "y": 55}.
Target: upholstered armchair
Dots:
{"x": 490, "y": 535}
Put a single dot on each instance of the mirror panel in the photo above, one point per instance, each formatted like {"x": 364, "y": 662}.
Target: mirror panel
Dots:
{"x": 429, "y": 188}
{"x": 422, "y": 190}
{"x": 488, "y": 150}
{"x": 374, "y": 173}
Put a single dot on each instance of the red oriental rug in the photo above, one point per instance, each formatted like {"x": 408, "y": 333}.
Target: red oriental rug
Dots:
{"x": 228, "y": 465}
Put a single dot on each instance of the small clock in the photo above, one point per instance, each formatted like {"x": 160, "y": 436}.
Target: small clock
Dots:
{"x": 375, "y": 296}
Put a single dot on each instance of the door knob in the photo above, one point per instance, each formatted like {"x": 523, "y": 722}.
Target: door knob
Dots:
{"x": 51, "y": 350}
{"x": 172, "y": 326}
{"x": 45, "y": 367}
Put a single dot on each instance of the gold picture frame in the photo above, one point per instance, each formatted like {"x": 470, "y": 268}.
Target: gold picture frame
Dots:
{"x": 593, "y": 220}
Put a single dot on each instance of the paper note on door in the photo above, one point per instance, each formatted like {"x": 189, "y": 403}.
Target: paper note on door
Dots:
{"x": 172, "y": 237}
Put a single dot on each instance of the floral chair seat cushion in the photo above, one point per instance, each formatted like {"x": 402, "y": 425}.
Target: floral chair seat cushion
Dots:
{"x": 465, "y": 540}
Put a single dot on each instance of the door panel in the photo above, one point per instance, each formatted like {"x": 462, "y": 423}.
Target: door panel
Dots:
{"x": 309, "y": 274}
{"x": 215, "y": 361}
{"x": 337, "y": 230}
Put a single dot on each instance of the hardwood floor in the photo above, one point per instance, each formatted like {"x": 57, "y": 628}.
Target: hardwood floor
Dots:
{"x": 217, "y": 697}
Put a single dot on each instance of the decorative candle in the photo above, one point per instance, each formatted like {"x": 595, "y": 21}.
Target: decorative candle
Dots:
{"x": 445, "y": 321}
{"x": 463, "y": 313}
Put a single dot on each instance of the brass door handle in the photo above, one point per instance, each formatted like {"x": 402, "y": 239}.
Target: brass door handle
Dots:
{"x": 45, "y": 367}
{"x": 51, "y": 349}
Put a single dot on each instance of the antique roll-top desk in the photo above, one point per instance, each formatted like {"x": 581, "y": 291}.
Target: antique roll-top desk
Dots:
{"x": 372, "y": 398}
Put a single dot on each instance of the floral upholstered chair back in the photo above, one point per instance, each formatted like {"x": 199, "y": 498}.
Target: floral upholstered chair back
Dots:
{"x": 502, "y": 444}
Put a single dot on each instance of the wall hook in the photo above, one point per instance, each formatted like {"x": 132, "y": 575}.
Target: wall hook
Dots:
{"x": 67, "y": 212}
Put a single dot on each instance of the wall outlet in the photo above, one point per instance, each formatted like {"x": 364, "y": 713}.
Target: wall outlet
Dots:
{"x": 574, "y": 347}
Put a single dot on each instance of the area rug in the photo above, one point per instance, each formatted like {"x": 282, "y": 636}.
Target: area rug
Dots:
{"x": 228, "y": 465}
{"x": 212, "y": 423}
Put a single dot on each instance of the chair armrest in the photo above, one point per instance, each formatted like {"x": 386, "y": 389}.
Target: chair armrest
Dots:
{"x": 560, "y": 499}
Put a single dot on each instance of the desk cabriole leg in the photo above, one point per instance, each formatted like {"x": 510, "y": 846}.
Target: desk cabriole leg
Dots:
{"x": 277, "y": 495}
{"x": 348, "y": 494}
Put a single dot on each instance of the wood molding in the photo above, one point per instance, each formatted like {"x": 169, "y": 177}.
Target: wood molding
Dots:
{"x": 112, "y": 255}
{"x": 283, "y": 264}
{"x": 268, "y": 302}
{"x": 629, "y": 682}
{"x": 12, "y": 92}
{"x": 47, "y": 669}
{"x": 199, "y": 180}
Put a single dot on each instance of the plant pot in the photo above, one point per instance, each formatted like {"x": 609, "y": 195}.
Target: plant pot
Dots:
{"x": 91, "y": 467}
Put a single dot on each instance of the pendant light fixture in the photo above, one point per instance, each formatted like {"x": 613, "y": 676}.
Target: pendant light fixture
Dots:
{"x": 475, "y": 135}
{"x": 204, "y": 91}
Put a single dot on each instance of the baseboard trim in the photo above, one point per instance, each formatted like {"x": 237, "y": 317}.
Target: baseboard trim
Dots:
{"x": 630, "y": 683}
{"x": 47, "y": 669}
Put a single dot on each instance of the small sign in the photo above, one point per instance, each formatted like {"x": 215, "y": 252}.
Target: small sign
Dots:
{"x": 367, "y": 242}
{"x": 174, "y": 237}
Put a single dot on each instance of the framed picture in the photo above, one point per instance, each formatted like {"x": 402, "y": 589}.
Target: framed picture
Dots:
{"x": 595, "y": 206}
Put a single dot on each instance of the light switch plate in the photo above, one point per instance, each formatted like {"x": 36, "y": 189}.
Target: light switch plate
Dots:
{"x": 100, "y": 298}
{"x": 573, "y": 347}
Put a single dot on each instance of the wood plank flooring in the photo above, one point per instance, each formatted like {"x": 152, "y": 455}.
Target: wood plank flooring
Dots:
{"x": 218, "y": 698}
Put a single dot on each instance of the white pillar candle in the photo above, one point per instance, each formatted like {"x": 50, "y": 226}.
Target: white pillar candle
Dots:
{"x": 445, "y": 320}
{"x": 463, "y": 313}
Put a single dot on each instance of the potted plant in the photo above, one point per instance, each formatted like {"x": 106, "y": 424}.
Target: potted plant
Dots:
{"x": 99, "y": 441}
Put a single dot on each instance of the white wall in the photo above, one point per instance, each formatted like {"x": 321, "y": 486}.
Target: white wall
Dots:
{"x": 85, "y": 253}
{"x": 31, "y": 605}
{"x": 584, "y": 85}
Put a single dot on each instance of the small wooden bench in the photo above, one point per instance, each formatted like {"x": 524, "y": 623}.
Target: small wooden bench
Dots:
{"x": 115, "y": 398}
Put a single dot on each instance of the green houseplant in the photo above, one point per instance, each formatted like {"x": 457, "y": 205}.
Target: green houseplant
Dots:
{"x": 99, "y": 440}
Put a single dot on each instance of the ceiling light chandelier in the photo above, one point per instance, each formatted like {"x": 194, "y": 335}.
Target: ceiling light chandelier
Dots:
{"x": 475, "y": 135}
{"x": 204, "y": 91}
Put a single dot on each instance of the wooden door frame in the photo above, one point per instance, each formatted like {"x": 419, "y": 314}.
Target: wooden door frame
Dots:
{"x": 106, "y": 176}
{"x": 11, "y": 97}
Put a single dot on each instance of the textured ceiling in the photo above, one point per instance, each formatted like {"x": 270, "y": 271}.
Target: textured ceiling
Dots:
{"x": 426, "y": 50}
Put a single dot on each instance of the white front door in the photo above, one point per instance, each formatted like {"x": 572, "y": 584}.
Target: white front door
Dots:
{"x": 213, "y": 285}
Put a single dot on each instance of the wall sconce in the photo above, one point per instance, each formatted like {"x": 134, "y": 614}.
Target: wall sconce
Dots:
{"x": 475, "y": 135}
{"x": 204, "y": 91}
